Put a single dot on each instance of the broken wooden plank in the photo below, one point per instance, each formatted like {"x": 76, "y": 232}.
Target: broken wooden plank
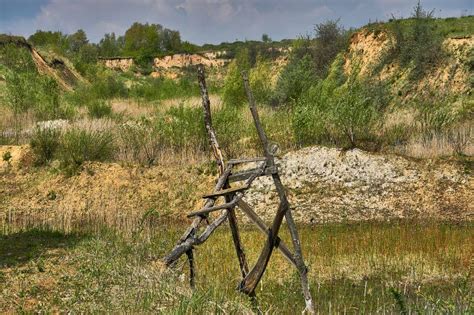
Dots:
{"x": 249, "y": 160}
{"x": 227, "y": 191}
{"x": 243, "y": 175}
{"x": 204, "y": 211}
{"x": 182, "y": 248}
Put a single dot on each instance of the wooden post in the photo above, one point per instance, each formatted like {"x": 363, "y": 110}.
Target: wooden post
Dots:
{"x": 220, "y": 162}
{"x": 249, "y": 284}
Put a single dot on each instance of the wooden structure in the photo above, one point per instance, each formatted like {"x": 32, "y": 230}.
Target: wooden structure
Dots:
{"x": 201, "y": 228}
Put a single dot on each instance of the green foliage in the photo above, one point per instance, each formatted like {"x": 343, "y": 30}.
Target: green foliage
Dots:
{"x": 44, "y": 144}
{"x": 331, "y": 39}
{"x": 344, "y": 115}
{"x": 110, "y": 45}
{"x": 295, "y": 78}
{"x": 155, "y": 89}
{"x": 7, "y": 156}
{"x": 140, "y": 141}
{"x": 417, "y": 42}
{"x": 106, "y": 85}
{"x": 260, "y": 81}
{"x": 233, "y": 92}
{"x": 145, "y": 41}
{"x": 20, "y": 91}
{"x": 353, "y": 113}
{"x": 311, "y": 58}
{"x": 182, "y": 127}
{"x": 99, "y": 109}
{"x": 48, "y": 102}
{"x": 17, "y": 58}
{"x": 79, "y": 146}
{"x": 230, "y": 126}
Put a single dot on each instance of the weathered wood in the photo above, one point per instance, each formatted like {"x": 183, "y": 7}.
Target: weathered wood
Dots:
{"x": 209, "y": 203}
{"x": 224, "y": 192}
{"x": 204, "y": 211}
{"x": 224, "y": 173}
{"x": 208, "y": 120}
{"x": 246, "y": 174}
{"x": 239, "y": 249}
{"x": 251, "y": 281}
{"x": 249, "y": 160}
{"x": 264, "y": 229}
{"x": 190, "y": 255}
{"x": 192, "y": 241}
{"x": 220, "y": 161}
{"x": 300, "y": 265}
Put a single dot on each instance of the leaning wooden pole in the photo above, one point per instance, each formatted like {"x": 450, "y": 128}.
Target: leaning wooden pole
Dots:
{"x": 249, "y": 284}
{"x": 220, "y": 161}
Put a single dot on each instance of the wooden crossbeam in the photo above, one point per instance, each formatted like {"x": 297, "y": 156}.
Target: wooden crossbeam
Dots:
{"x": 227, "y": 191}
{"x": 247, "y": 160}
{"x": 205, "y": 211}
{"x": 243, "y": 175}
{"x": 245, "y": 207}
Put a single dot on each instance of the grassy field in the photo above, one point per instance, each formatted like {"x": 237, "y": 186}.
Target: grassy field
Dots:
{"x": 404, "y": 267}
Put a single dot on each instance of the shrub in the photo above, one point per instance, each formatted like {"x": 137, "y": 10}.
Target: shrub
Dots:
{"x": 234, "y": 92}
{"x": 230, "y": 127}
{"x": 182, "y": 127}
{"x": 295, "y": 78}
{"x": 140, "y": 141}
{"x": 44, "y": 144}
{"x": 416, "y": 42}
{"x": 99, "y": 109}
{"x": 79, "y": 146}
{"x": 345, "y": 115}
{"x": 49, "y": 105}
{"x": 260, "y": 81}
{"x": 353, "y": 113}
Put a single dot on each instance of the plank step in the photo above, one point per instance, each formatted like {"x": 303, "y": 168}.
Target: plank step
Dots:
{"x": 249, "y": 160}
{"x": 226, "y": 191}
{"x": 215, "y": 208}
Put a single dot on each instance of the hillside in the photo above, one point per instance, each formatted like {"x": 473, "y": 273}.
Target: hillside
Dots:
{"x": 48, "y": 64}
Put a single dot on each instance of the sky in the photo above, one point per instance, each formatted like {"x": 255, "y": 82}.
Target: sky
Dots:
{"x": 208, "y": 21}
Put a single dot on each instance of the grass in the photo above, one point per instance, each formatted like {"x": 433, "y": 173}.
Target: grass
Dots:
{"x": 359, "y": 268}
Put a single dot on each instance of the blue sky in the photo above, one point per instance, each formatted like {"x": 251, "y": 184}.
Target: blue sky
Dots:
{"x": 207, "y": 21}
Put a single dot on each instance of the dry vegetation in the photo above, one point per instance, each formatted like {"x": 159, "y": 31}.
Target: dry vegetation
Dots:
{"x": 95, "y": 182}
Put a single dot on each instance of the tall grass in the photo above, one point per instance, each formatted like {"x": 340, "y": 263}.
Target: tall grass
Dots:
{"x": 362, "y": 268}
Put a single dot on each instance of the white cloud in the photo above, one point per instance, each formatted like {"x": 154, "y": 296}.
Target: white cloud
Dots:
{"x": 214, "y": 20}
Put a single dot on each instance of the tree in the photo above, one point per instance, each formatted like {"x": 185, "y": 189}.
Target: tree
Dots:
{"x": 109, "y": 46}
{"x": 266, "y": 39}
{"x": 77, "y": 41}
{"x": 330, "y": 40}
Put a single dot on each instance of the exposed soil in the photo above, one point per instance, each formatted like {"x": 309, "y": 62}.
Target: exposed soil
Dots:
{"x": 325, "y": 185}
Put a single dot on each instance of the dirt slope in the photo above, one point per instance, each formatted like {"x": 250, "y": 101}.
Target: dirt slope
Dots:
{"x": 56, "y": 67}
{"x": 367, "y": 49}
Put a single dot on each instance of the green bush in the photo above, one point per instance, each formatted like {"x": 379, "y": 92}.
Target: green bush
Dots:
{"x": 44, "y": 144}
{"x": 344, "y": 115}
{"x": 99, "y": 109}
{"x": 49, "y": 105}
{"x": 79, "y": 146}
{"x": 140, "y": 141}
{"x": 353, "y": 114}
{"x": 156, "y": 89}
{"x": 182, "y": 127}
{"x": 230, "y": 128}
{"x": 417, "y": 42}
{"x": 233, "y": 93}
{"x": 260, "y": 81}
{"x": 294, "y": 80}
